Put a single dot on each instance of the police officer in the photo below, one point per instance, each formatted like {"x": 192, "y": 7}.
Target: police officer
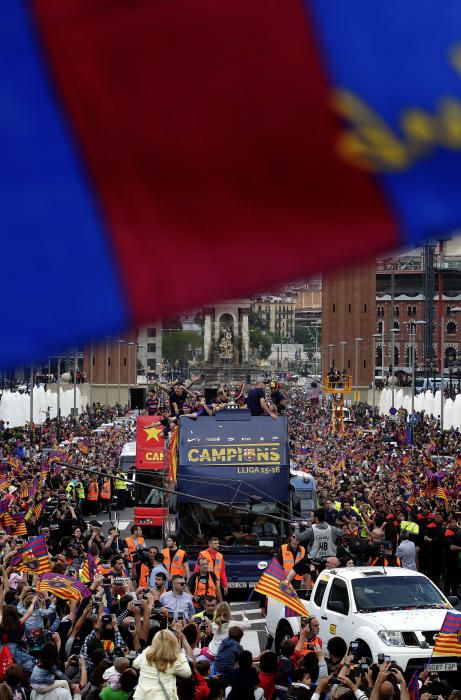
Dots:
{"x": 120, "y": 485}
{"x": 290, "y": 554}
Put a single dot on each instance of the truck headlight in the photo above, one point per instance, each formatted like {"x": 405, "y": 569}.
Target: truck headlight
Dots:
{"x": 392, "y": 639}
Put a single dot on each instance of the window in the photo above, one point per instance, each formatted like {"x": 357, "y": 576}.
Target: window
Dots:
{"x": 319, "y": 592}
{"x": 396, "y": 311}
{"x": 411, "y": 310}
{"x": 451, "y": 328}
{"x": 380, "y": 326}
{"x": 151, "y": 347}
{"x": 380, "y": 310}
{"x": 364, "y": 308}
{"x": 397, "y": 325}
{"x": 151, "y": 364}
{"x": 124, "y": 361}
{"x": 339, "y": 594}
{"x": 334, "y": 308}
{"x": 108, "y": 361}
{"x": 348, "y": 364}
{"x": 349, "y": 308}
{"x": 151, "y": 332}
{"x": 364, "y": 364}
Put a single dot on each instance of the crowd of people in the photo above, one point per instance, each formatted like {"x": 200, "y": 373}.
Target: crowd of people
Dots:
{"x": 150, "y": 624}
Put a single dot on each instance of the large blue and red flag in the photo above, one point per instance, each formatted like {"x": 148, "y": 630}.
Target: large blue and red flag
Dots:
{"x": 243, "y": 131}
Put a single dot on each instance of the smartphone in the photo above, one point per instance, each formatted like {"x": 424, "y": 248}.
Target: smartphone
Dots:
{"x": 380, "y": 658}
{"x": 132, "y": 626}
{"x": 387, "y": 659}
{"x": 106, "y": 581}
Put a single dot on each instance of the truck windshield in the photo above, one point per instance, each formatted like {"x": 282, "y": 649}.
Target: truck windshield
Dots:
{"x": 126, "y": 462}
{"x": 395, "y": 593}
{"x": 146, "y": 493}
{"x": 236, "y": 530}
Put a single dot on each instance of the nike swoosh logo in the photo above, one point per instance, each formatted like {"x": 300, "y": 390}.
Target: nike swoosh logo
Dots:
{"x": 191, "y": 439}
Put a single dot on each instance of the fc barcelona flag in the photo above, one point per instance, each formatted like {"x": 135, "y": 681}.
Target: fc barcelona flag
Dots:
{"x": 15, "y": 523}
{"x": 447, "y": 642}
{"x": 224, "y": 126}
{"x": 63, "y": 587}
{"x": 33, "y": 557}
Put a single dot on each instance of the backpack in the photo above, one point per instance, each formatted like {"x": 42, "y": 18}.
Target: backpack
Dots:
{"x": 6, "y": 660}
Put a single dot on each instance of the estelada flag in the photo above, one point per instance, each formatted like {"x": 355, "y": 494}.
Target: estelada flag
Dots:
{"x": 447, "y": 642}
{"x": 33, "y": 557}
{"x": 222, "y": 126}
{"x": 174, "y": 454}
{"x": 63, "y": 587}
{"x": 150, "y": 443}
{"x": 271, "y": 584}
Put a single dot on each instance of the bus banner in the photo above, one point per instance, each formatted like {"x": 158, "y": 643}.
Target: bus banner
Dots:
{"x": 149, "y": 443}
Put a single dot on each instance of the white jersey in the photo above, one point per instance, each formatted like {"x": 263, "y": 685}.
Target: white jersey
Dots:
{"x": 323, "y": 545}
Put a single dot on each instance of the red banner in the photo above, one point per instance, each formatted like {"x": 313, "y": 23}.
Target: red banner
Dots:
{"x": 149, "y": 443}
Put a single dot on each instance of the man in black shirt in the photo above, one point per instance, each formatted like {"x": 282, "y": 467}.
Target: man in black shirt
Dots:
{"x": 277, "y": 398}
{"x": 256, "y": 400}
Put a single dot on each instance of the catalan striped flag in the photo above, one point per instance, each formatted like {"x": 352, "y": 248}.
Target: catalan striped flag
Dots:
{"x": 272, "y": 584}
{"x": 38, "y": 510}
{"x": 63, "y": 587}
{"x": 88, "y": 569}
{"x": 441, "y": 492}
{"x": 174, "y": 454}
{"x": 33, "y": 557}
{"x": 5, "y": 483}
{"x": 84, "y": 446}
{"x": 4, "y": 505}
{"x": 447, "y": 641}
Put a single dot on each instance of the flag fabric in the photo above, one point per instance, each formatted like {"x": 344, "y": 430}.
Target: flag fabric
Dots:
{"x": 38, "y": 510}
{"x": 272, "y": 584}
{"x": 88, "y": 569}
{"x": 250, "y": 119}
{"x": 4, "y": 505}
{"x": 174, "y": 454}
{"x": 33, "y": 557}
{"x": 63, "y": 587}
{"x": 447, "y": 641}
{"x": 15, "y": 523}
{"x": 84, "y": 446}
{"x": 413, "y": 686}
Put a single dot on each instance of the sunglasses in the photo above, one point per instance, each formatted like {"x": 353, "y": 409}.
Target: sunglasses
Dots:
{"x": 181, "y": 583}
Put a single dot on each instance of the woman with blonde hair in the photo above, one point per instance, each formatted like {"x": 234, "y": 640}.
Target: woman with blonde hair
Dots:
{"x": 159, "y": 665}
{"x": 220, "y": 626}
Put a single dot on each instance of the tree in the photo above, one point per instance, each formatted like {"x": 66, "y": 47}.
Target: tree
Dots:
{"x": 303, "y": 335}
{"x": 260, "y": 342}
{"x": 180, "y": 345}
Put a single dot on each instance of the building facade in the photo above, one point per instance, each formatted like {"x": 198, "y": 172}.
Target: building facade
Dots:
{"x": 112, "y": 362}
{"x": 150, "y": 347}
{"x": 276, "y": 314}
{"x": 348, "y": 323}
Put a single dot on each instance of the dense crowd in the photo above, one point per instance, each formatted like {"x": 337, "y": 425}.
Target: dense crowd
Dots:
{"x": 147, "y": 623}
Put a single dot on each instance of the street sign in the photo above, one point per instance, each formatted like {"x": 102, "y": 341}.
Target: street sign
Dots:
{"x": 393, "y": 411}
{"x": 413, "y": 418}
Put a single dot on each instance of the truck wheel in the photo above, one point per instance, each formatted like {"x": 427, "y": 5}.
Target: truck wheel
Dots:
{"x": 284, "y": 631}
{"x": 364, "y": 650}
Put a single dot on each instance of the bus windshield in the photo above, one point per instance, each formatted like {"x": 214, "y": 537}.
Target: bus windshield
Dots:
{"x": 146, "y": 493}
{"x": 235, "y": 529}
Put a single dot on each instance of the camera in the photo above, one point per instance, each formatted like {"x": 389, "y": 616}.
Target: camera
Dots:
{"x": 106, "y": 581}
{"x": 106, "y": 618}
{"x": 141, "y": 556}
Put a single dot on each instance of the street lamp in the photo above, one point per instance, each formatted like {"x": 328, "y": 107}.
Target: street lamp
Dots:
{"x": 119, "y": 369}
{"x": 455, "y": 309}
{"x": 343, "y": 344}
{"x": 106, "y": 370}
{"x": 75, "y": 384}
{"x": 330, "y": 355}
{"x": 393, "y": 331}
{"x": 373, "y": 386}
{"x": 130, "y": 343}
{"x": 412, "y": 337}
{"x": 357, "y": 341}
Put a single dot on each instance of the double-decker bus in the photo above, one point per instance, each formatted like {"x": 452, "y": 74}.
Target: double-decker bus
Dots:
{"x": 232, "y": 482}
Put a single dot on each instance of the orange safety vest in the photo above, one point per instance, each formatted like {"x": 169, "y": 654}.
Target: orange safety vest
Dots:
{"x": 289, "y": 561}
{"x": 105, "y": 490}
{"x": 215, "y": 565}
{"x": 305, "y": 650}
{"x": 144, "y": 576}
{"x": 93, "y": 491}
{"x": 385, "y": 562}
{"x": 207, "y": 588}
{"x": 132, "y": 547}
{"x": 104, "y": 570}
{"x": 176, "y": 565}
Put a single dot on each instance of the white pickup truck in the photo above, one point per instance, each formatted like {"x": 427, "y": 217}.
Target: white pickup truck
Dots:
{"x": 395, "y": 612}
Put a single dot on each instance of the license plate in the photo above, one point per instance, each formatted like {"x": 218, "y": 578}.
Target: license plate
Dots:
{"x": 443, "y": 667}
{"x": 237, "y": 584}
{"x": 252, "y": 584}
